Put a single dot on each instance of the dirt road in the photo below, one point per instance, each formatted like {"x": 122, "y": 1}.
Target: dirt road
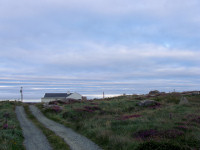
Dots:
{"x": 73, "y": 139}
{"x": 34, "y": 138}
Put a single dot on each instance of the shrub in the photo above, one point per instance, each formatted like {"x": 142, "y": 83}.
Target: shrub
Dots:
{"x": 156, "y": 105}
{"x": 128, "y": 109}
{"x": 88, "y": 109}
{"x": 72, "y": 101}
{"x": 172, "y": 98}
{"x": 151, "y": 133}
{"x": 92, "y": 103}
{"x": 152, "y": 145}
{"x": 94, "y": 108}
{"x": 76, "y": 115}
{"x": 144, "y": 134}
{"x": 56, "y": 108}
{"x": 53, "y": 103}
{"x": 171, "y": 134}
{"x": 196, "y": 120}
{"x": 182, "y": 127}
{"x": 158, "y": 99}
{"x": 6, "y": 115}
{"x": 128, "y": 117}
{"x": 5, "y": 126}
{"x": 193, "y": 118}
{"x": 70, "y": 115}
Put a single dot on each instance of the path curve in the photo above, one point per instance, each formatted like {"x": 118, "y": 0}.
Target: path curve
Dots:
{"x": 34, "y": 138}
{"x": 73, "y": 139}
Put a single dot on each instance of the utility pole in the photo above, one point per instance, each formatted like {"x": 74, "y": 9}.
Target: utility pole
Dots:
{"x": 21, "y": 91}
{"x": 103, "y": 94}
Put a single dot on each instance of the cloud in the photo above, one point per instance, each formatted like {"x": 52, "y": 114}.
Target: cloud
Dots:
{"x": 90, "y": 46}
{"x": 98, "y": 57}
{"x": 156, "y": 8}
{"x": 108, "y": 56}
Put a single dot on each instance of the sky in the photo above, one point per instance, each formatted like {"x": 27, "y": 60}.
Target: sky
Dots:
{"x": 87, "y": 46}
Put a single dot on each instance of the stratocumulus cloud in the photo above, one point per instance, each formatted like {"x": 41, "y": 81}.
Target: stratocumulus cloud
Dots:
{"x": 94, "y": 46}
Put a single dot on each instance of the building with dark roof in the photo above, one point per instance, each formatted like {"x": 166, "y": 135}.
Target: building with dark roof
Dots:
{"x": 48, "y": 97}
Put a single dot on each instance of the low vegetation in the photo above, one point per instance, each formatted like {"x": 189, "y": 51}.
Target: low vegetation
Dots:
{"x": 11, "y": 137}
{"x": 119, "y": 123}
{"x": 55, "y": 141}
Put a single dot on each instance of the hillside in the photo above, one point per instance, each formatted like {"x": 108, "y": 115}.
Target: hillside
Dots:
{"x": 120, "y": 123}
{"x": 11, "y": 137}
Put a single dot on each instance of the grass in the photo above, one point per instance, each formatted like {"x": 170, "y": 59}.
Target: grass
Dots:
{"x": 119, "y": 123}
{"x": 55, "y": 141}
{"x": 11, "y": 137}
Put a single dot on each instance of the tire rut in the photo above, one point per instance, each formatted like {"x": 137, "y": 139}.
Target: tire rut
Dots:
{"x": 34, "y": 138}
{"x": 73, "y": 139}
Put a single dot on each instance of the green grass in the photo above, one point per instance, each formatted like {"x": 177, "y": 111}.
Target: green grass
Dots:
{"x": 112, "y": 133}
{"x": 12, "y": 137}
{"x": 55, "y": 141}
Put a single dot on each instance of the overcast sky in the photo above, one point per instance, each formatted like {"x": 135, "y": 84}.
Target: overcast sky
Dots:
{"x": 91, "y": 46}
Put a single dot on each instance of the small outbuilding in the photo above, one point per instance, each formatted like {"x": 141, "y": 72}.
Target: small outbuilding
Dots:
{"x": 48, "y": 97}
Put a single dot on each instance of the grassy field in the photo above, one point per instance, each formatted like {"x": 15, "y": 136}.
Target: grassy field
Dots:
{"x": 11, "y": 137}
{"x": 55, "y": 141}
{"x": 119, "y": 123}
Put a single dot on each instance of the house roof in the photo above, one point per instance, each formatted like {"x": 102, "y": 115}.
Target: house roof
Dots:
{"x": 56, "y": 95}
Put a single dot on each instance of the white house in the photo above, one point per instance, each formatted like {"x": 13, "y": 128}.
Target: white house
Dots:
{"x": 48, "y": 97}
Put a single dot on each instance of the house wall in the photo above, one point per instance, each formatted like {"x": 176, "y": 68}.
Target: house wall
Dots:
{"x": 75, "y": 96}
{"x": 46, "y": 100}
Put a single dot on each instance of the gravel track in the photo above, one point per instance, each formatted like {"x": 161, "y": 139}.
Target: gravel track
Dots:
{"x": 73, "y": 139}
{"x": 34, "y": 138}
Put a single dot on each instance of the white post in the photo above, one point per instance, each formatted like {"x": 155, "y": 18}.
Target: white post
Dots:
{"x": 21, "y": 91}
